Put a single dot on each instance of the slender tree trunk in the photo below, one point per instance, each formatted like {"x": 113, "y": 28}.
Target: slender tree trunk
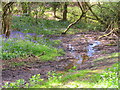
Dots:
{"x": 54, "y": 11}
{"x": 0, "y": 22}
{"x": 54, "y": 5}
{"x": 29, "y": 9}
{"x": 82, "y": 15}
{"x": 6, "y": 18}
{"x": 73, "y": 23}
{"x": 24, "y": 7}
{"x": 98, "y": 19}
{"x": 65, "y": 12}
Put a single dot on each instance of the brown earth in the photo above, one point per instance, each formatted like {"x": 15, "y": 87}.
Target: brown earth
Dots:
{"x": 32, "y": 65}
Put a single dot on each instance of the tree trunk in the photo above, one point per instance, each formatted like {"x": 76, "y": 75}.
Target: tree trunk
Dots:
{"x": 65, "y": 12}
{"x": 54, "y": 6}
{"x": 82, "y": 15}
{"x": 73, "y": 23}
{"x": 29, "y": 9}
{"x": 54, "y": 10}
{"x": 98, "y": 19}
{"x": 6, "y": 18}
{"x": 24, "y": 7}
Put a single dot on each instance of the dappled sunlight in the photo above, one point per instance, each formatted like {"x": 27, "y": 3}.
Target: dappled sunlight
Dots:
{"x": 112, "y": 55}
{"x": 97, "y": 71}
{"x": 77, "y": 84}
{"x": 73, "y": 85}
{"x": 59, "y": 45}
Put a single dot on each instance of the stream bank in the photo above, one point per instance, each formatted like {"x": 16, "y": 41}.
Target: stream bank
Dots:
{"x": 35, "y": 66}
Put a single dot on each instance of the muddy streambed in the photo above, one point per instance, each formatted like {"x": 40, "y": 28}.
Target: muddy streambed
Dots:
{"x": 75, "y": 46}
{"x": 90, "y": 50}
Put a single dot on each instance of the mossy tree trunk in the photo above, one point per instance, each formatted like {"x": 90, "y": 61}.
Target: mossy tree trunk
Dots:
{"x": 6, "y": 18}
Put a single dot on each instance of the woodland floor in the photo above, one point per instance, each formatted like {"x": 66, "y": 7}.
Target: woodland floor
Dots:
{"x": 31, "y": 65}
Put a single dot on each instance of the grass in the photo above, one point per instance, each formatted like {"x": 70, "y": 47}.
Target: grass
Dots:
{"x": 51, "y": 27}
{"x": 29, "y": 39}
{"x": 18, "y": 48}
{"x": 43, "y": 48}
{"x": 14, "y": 64}
{"x": 44, "y": 26}
{"x": 12, "y": 48}
{"x": 112, "y": 55}
{"x": 73, "y": 79}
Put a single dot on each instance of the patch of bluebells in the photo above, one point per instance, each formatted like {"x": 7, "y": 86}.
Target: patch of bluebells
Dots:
{"x": 40, "y": 35}
{"x": 34, "y": 41}
{"x": 24, "y": 36}
{"x": 17, "y": 15}
{"x": 15, "y": 37}
{"x": 20, "y": 35}
{"x": 31, "y": 34}
{"x": 17, "y": 34}
{"x": 1, "y": 35}
{"x": 0, "y": 46}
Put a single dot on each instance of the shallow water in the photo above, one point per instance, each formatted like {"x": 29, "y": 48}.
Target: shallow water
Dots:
{"x": 90, "y": 51}
{"x": 90, "y": 48}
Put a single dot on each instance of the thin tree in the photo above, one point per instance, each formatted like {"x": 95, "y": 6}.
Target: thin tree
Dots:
{"x": 84, "y": 10}
{"x": 6, "y": 18}
{"x": 65, "y": 11}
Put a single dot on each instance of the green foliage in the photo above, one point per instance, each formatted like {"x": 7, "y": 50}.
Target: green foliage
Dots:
{"x": 112, "y": 55}
{"x": 109, "y": 77}
{"x": 112, "y": 75}
{"x": 89, "y": 26}
{"x": 107, "y": 11}
{"x": 18, "y": 48}
{"x": 73, "y": 14}
{"x": 19, "y": 83}
{"x": 44, "y": 27}
{"x": 83, "y": 78}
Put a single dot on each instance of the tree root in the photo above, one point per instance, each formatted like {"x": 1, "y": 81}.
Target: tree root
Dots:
{"x": 111, "y": 32}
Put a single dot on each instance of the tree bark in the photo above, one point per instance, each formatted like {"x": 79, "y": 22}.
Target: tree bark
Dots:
{"x": 73, "y": 23}
{"x": 6, "y": 18}
{"x": 24, "y": 7}
{"x": 65, "y": 12}
{"x": 98, "y": 19}
{"x": 82, "y": 15}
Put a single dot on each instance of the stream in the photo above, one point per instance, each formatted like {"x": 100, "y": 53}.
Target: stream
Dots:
{"x": 90, "y": 51}
{"x": 73, "y": 45}
{"x": 72, "y": 50}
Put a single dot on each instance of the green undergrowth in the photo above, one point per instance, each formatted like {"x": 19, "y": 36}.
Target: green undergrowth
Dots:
{"x": 27, "y": 24}
{"x": 110, "y": 56}
{"x": 44, "y": 49}
{"x": 42, "y": 27}
{"x": 108, "y": 78}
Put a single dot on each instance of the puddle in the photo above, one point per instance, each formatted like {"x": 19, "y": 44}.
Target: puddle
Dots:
{"x": 72, "y": 50}
{"x": 90, "y": 51}
{"x": 90, "y": 48}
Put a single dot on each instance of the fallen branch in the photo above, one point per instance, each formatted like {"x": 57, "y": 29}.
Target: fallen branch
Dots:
{"x": 105, "y": 35}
